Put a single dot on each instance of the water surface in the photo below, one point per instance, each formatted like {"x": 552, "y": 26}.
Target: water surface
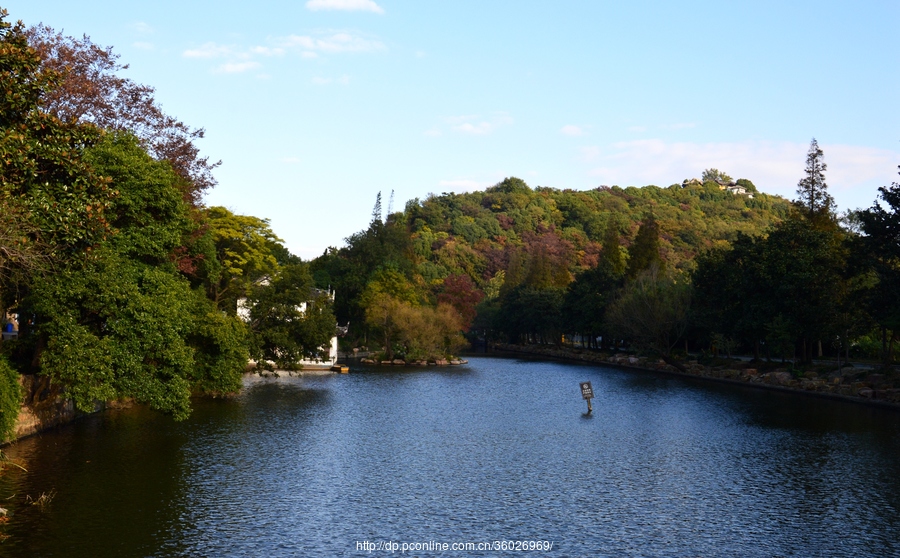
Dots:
{"x": 500, "y": 449}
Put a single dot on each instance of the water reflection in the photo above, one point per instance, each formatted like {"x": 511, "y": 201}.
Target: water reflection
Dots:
{"x": 499, "y": 449}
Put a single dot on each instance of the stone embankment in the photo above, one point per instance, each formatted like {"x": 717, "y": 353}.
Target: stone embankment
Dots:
{"x": 401, "y": 362}
{"x": 849, "y": 383}
{"x": 45, "y": 405}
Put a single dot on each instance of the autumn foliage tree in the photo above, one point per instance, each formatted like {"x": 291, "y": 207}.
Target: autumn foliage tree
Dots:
{"x": 89, "y": 89}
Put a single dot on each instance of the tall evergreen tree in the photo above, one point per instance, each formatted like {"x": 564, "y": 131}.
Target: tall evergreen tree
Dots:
{"x": 812, "y": 191}
{"x": 645, "y": 250}
{"x": 611, "y": 253}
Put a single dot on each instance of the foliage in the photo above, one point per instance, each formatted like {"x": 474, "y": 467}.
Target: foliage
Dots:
{"x": 289, "y": 320}
{"x": 587, "y": 299}
{"x": 245, "y": 250}
{"x": 715, "y": 175}
{"x": 881, "y": 227}
{"x": 10, "y": 399}
{"x": 414, "y": 332}
{"x": 794, "y": 282}
{"x": 116, "y": 328}
{"x": 89, "y": 89}
{"x": 460, "y": 292}
{"x": 644, "y": 252}
{"x": 812, "y": 191}
{"x": 55, "y": 197}
{"x": 120, "y": 320}
{"x": 652, "y": 311}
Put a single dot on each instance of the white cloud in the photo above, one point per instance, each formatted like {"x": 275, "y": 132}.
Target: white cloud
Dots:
{"x": 589, "y": 152}
{"x": 143, "y": 45}
{"x": 345, "y": 5}
{"x": 637, "y": 128}
{"x": 853, "y": 175}
{"x": 333, "y": 42}
{"x": 240, "y": 59}
{"x": 477, "y": 126}
{"x": 267, "y": 51}
{"x": 236, "y": 67}
{"x": 142, "y": 28}
{"x": 433, "y": 132}
{"x": 420, "y": 54}
{"x": 208, "y": 50}
{"x": 572, "y": 130}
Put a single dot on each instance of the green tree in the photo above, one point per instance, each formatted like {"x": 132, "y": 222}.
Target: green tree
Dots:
{"x": 715, "y": 175}
{"x": 644, "y": 252}
{"x": 652, "y": 311}
{"x": 881, "y": 227}
{"x": 120, "y": 320}
{"x": 245, "y": 249}
{"x": 45, "y": 184}
{"x": 289, "y": 319}
{"x": 588, "y": 298}
{"x": 612, "y": 248}
{"x": 812, "y": 191}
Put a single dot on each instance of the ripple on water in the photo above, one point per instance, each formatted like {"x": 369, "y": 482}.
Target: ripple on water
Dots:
{"x": 498, "y": 450}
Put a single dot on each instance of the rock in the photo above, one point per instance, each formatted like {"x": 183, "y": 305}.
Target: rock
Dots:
{"x": 783, "y": 378}
{"x": 455, "y": 362}
{"x": 875, "y": 380}
{"x": 387, "y": 362}
{"x": 398, "y": 362}
{"x": 867, "y": 393}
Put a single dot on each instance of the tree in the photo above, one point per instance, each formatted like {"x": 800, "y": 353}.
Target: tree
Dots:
{"x": 652, "y": 311}
{"x": 44, "y": 182}
{"x": 612, "y": 252}
{"x": 245, "y": 249}
{"x": 460, "y": 292}
{"x": 89, "y": 89}
{"x": 881, "y": 226}
{"x": 588, "y": 298}
{"x": 289, "y": 319}
{"x": 120, "y": 320}
{"x": 715, "y": 175}
{"x": 644, "y": 252}
{"x": 812, "y": 191}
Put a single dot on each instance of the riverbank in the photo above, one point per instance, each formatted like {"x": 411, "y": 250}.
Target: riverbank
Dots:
{"x": 401, "y": 362}
{"x": 849, "y": 384}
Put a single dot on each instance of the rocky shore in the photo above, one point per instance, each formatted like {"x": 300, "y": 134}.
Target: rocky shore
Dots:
{"x": 401, "y": 362}
{"x": 848, "y": 383}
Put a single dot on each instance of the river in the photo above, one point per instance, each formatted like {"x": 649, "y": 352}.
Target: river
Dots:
{"x": 496, "y": 450}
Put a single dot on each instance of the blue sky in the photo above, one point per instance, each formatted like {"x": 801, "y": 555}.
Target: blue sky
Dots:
{"x": 314, "y": 106}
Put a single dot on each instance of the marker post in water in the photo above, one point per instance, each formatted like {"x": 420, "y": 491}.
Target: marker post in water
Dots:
{"x": 587, "y": 392}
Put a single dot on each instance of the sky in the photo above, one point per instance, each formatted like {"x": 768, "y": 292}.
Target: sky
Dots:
{"x": 315, "y": 106}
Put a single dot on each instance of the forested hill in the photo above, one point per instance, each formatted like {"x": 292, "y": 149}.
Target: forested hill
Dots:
{"x": 511, "y": 215}
{"x": 468, "y": 246}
